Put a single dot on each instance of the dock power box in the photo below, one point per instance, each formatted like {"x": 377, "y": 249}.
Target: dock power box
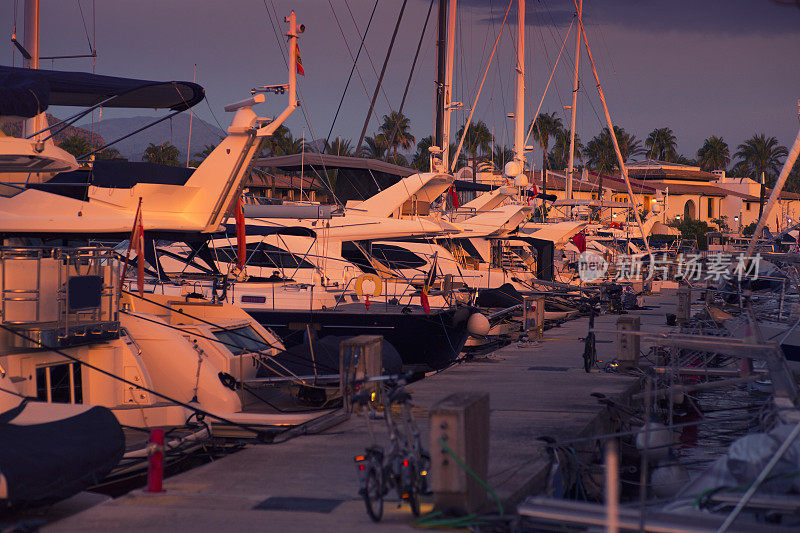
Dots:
{"x": 460, "y": 432}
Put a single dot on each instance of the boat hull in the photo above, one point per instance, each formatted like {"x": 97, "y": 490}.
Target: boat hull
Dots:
{"x": 424, "y": 342}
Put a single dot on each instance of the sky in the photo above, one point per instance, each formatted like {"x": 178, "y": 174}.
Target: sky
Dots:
{"x": 701, "y": 67}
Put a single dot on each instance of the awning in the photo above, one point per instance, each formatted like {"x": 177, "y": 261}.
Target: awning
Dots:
{"x": 26, "y": 92}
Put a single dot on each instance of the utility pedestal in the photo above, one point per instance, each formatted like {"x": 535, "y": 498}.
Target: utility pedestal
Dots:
{"x": 359, "y": 358}
{"x": 461, "y": 420}
{"x": 628, "y": 346}
{"x": 683, "y": 311}
{"x": 533, "y": 316}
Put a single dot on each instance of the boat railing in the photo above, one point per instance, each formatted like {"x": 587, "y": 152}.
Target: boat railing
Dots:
{"x": 58, "y": 296}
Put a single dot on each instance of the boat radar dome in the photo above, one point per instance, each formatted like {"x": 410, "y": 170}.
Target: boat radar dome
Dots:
{"x": 513, "y": 168}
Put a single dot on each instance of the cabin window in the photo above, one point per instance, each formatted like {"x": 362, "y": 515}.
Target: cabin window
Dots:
{"x": 264, "y": 255}
{"x": 59, "y": 383}
{"x": 241, "y": 340}
{"x": 710, "y": 208}
{"x": 646, "y": 205}
{"x": 396, "y": 257}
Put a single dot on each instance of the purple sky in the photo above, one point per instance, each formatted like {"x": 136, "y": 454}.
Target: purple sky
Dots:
{"x": 723, "y": 67}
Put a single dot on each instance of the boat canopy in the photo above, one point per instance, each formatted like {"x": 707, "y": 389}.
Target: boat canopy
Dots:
{"x": 26, "y": 92}
{"x": 357, "y": 178}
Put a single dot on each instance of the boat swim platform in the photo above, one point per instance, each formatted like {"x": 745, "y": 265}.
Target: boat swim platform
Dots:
{"x": 537, "y": 388}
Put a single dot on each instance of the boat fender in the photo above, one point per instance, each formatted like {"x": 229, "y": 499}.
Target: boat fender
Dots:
{"x": 372, "y": 277}
{"x": 227, "y": 380}
{"x": 478, "y": 324}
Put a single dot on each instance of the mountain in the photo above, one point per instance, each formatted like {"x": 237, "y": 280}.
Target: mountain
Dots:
{"x": 175, "y": 131}
{"x": 14, "y": 129}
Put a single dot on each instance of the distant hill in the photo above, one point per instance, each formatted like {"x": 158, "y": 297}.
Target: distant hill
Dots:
{"x": 175, "y": 130}
{"x": 14, "y": 129}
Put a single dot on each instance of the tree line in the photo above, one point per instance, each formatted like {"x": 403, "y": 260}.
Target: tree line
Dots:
{"x": 759, "y": 155}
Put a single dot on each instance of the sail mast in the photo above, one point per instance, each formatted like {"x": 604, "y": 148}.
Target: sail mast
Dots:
{"x": 31, "y": 44}
{"x": 570, "y": 165}
{"x": 441, "y": 59}
{"x": 518, "y": 171}
{"x": 448, "y": 81}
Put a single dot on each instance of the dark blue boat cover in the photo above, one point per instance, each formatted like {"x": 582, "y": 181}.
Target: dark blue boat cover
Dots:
{"x": 45, "y": 463}
{"x": 25, "y": 92}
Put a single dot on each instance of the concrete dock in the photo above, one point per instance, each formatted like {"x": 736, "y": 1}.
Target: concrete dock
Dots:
{"x": 535, "y": 389}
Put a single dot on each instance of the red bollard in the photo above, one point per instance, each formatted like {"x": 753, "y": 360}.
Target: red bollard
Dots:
{"x": 155, "y": 468}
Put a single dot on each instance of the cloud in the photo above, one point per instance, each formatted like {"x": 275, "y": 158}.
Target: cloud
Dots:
{"x": 729, "y": 17}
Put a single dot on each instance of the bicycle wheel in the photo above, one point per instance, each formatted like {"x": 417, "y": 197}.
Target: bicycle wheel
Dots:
{"x": 413, "y": 497}
{"x": 373, "y": 494}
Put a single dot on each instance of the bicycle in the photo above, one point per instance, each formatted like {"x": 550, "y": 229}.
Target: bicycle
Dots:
{"x": 405, "y": 465}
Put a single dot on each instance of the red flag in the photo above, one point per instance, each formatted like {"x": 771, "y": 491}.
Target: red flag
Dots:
{"x": 241, "y": 244}
{"x": 454, "y": 196}
{"x": 579, "y": 240}
{"x": 423, "y": 298}
{"x": 299, "y": 61}
{"x": 534, "y": 189}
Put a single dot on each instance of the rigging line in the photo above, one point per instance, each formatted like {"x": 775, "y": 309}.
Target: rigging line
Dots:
{"x": 257, "y": 431}
{"x": 347, "y": 45}
{"x": 303, "y": 106}
{"x": 85, "y": 29}
{"x": 535, "y": 115}
{"x": 369, "y": 57}
{"x": 410, "y": 75}
{"x": 380, "y": 78}
{"x": 350, "y": 77}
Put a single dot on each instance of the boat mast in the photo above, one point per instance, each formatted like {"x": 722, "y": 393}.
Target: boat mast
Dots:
{"x": 570, "y": 165}
{"x": 520, "y": 179}
{"x": 31, "y": 44}
{"x": 448, "y": 82}
{"x": 441, "y": 59}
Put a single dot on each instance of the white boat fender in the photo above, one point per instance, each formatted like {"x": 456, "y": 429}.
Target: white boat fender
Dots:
{"x": 478, "y": 324}
{"x": 668, "y": 479}
{"x": 658, "y": 443}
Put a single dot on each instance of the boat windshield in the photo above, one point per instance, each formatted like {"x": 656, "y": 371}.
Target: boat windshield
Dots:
{"x": 241, "y": 340}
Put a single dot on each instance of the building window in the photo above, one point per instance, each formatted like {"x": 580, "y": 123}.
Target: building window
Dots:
{"x": 747, "y": 206}
{"x": 710, "y": 208}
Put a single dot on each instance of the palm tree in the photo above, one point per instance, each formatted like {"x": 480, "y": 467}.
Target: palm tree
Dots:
{"x": 108, "y": 153}
{"x": 545, "y": 127}
{"x": 375, "y": 148}
{"x": 558, "y": 158}
{"x": 395, "y": 132}
{"x": 714, "y": 154}
{"x": 76, "y": 145}
{"x": 162, "y": 154}
{"x": 421, "y": 158}
{"x": 339, "y": 146}
{"x": 662, "y": 145}
{"x": 477, "y": 141}
{"x": 200, "y": 156}
{"x": 760, "y": 155}
{"x": 282, "y": 142}
{"x": 600, "y": 154}
{"x": 501, "y": 155}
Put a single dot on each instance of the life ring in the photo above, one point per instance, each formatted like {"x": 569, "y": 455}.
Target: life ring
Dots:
{"x": 374, "y": 278}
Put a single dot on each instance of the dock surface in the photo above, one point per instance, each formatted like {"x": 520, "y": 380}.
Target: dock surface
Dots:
{"x": 538, "y": 388}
